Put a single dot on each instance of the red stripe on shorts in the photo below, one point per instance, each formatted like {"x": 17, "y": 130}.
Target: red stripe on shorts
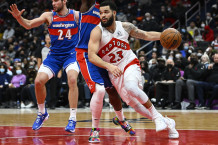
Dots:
{"x": 134, "y": 61}
{"x": 84, "y": 68}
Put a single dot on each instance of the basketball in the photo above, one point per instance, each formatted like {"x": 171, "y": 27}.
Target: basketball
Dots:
{"x": 170, "y": 38}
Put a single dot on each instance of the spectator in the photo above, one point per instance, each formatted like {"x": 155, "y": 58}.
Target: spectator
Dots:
{"x": 208, "y": 34}
{"x": 192, "y": 74}
{"x": 121, "y": 16}
{"x": 146, "y": 76}
{"x": 205, "y": 60}
{"x": 209, "y": 20}
{"x": 197, "y": 36}
{"x": 4, "y": 81}
{"x": 156, "y": 73}
{"x": 198, "y": 21}
{"x": 180, "y": 61}
{"x": 210, "y": 84}
{"x": 191, "y": 28}
{"x": 27, "y": 92}
{"x": 11, "y": 53}
{"x": 134, "y": 44}
{"x": 152, "y": 63}
{"x": 142, "y": 58}
{"x": 15, "y": 87}
{"x": 8, "y": 33}
{"x": 214, "y": 43}
{"x": 167, "y": 85}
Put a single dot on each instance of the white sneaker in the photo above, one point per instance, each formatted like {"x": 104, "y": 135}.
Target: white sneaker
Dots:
{"x": 160, "y": 124}
{"x": 29, "y": 105}
{"x": 22, "y": 105}
{"x": 173, "y": 133}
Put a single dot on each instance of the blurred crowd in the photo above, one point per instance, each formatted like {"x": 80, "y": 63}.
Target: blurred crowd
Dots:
{"x": 170, "y": 76}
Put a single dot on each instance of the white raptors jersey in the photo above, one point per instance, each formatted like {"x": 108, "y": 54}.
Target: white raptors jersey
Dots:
{"x": 114, "y": 47}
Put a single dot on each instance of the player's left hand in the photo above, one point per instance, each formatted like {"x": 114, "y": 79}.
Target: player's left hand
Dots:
{"x": 115, "y": 70}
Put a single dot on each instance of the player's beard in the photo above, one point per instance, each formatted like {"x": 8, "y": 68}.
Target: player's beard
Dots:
{"x": 58, "y": 9}
{"x": 109, "y": 22}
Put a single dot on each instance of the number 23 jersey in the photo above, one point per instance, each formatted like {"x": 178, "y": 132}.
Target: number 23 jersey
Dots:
{"x": 114, "y": 47}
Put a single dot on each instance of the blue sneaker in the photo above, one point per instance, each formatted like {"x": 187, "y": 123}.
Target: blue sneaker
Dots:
{"x": 39, "y": 120}
{"x": 71, "y": 126}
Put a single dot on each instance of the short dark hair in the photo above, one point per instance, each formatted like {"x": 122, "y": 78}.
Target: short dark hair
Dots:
{"x": 109, "y": 3}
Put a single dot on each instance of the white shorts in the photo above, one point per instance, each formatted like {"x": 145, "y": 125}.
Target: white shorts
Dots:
{"x": 132, "y": 73}
{"x": 50, "y": 73}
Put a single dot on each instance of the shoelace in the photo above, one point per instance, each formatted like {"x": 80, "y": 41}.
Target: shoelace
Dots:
{"x": 71, "y": 123}
{"x": 126, "y": 125}
{"x": 39, "y": 117}
{"x": 95, "y": 134}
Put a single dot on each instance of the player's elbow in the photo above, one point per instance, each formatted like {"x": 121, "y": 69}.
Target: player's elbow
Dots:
{"x": 28, "y": 27}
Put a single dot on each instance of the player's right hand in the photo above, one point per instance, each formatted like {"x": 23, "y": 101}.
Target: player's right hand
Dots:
{"x": 15, "y": 12}
{"x": 115, "y": 70}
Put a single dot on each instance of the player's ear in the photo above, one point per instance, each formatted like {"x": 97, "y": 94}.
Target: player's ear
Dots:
{"x": 114, "y": 13}
{"x": 65, "y": 1}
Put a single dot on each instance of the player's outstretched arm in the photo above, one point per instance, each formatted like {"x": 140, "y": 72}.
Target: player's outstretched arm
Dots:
{"x": 94, "y": 43}
{"x": 28, "y": 24}
{"x": 140, "y": 34}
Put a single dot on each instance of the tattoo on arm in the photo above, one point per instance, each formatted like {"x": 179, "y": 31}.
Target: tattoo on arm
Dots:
{"x": 134, "y": 31}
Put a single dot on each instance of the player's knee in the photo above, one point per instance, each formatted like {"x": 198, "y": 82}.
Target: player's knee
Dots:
{"x": 112, "y": 93}
{"x": 100, "y": 90}
{"x": 39, "y": 82}
{"x": 72, "y": 81}
{"x": 131, "y": 89}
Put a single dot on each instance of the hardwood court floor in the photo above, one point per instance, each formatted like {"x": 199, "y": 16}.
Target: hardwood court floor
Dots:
{"x": 195, "y": 127}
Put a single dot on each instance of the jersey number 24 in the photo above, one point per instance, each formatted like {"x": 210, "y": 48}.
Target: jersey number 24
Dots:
{"x": 67, "y": 35}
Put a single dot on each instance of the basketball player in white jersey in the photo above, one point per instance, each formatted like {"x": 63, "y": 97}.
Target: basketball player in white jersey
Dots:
{"x": 109, "y": 49}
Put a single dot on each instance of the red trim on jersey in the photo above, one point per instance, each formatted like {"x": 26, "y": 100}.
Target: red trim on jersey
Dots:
{"x": 90, "y": 19}
{"x": 69, "y": 17}
{"x": 134, "y": 61}
{"x": 97, "y": 5}
{"x": 84, "y": 69}
{"x": 73, "y": 31}
{"x": 114, "y": 42}
{"x": 81, "y": 50}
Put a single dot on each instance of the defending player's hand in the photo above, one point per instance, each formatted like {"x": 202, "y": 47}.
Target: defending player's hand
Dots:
{"x": 15, "y": 12}
{"x": 115, "y": 70}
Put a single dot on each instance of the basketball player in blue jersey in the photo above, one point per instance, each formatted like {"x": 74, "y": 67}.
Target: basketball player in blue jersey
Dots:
{"x": 89, "y": 19}
{"x": 63, "y": 30}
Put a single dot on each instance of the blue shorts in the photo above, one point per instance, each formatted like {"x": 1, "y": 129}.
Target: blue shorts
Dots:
{"x": 89, "y": 71}
{"x": 105, "y": 76}
{"x": 55, "y": 62}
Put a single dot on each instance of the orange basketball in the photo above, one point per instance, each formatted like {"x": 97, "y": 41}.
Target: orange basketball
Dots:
{"x": 170, "y": 38}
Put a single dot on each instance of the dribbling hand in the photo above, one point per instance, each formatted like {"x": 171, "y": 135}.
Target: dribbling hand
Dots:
{"x": 15, "y": 12}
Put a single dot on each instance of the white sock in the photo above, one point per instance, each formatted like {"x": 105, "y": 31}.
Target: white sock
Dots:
{"x": 120, "y": 115}
{"x": 142, "y": 110}
{"x": 41, "y": 108}
{"x": 96, "y": 105}
{"x": 154, "y": 113}
{"x": 73, "y": 114}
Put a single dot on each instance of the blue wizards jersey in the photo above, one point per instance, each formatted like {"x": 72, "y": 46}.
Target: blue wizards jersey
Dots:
{"x": 88, "y": 21}
{"x": 63, "y": 32}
